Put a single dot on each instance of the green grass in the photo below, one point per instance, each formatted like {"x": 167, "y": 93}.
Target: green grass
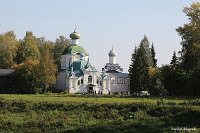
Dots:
{"x": 86, "y": 113}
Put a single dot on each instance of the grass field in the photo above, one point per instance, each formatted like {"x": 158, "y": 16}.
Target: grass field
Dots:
{"x": 88, "y": 113}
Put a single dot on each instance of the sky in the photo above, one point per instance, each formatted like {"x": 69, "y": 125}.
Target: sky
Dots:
{"x": 103, "y": 24}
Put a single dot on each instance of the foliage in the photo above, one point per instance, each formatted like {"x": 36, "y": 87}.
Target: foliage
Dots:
{"x": 60, "y": 45}
{"x": 8, "y": 49}
{"x": 43, "y": 45}
{"x": 25, "y": 78}
{"x": 50, "y": 113}
{"x": 139, "y": 67}
{"x": 155, "y": 84}
{"x": 174, "y": 80}
{"x": 153, "y": 54}
{"x": 28, "y": 48}
{"x": 174, "y": 60}
{"x": 190, "y": 53}
{"x": 47, "y": 69}
{"x": 33, "y": 76}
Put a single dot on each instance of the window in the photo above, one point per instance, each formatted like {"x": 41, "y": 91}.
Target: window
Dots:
{"x": 81, "y": 81}
{"x": 97, "y": 81}
{"x": 112, "y": 80}
{"x": 119, "y": 80}
{"x": 89, "y": 79}
{"x": 100, "y": 83}
{"x": 78, "y": 82}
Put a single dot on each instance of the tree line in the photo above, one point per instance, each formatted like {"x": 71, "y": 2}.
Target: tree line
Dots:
{"x": 35, "y": 61}
{"x": 182, "y": 75}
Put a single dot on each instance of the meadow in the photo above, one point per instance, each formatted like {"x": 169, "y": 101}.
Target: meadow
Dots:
{"x": 98, "y": 113}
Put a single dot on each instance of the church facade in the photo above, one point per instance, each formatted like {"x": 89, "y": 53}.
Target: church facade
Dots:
{"x": 78, "y": 75}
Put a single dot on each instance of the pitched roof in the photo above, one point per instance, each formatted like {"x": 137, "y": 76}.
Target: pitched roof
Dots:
{"x": 81, "y": 65}
{"x": 77, "y": 73}
{"x": 74, "y": 49}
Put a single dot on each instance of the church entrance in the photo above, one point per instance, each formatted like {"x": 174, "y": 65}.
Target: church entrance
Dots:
{"x": 91, "y": 89}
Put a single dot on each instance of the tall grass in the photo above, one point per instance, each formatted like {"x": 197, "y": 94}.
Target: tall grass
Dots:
{"x": 83, "y": 113}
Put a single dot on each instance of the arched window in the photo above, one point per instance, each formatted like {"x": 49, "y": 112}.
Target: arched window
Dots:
{"x": 100, "y": 83}
{"x": 90, "y": 79}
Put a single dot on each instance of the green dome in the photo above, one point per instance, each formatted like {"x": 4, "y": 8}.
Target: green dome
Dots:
{"x": 74, "y": 49}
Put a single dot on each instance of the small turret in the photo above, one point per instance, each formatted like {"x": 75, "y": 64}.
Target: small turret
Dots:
{"x": 112, "y": 57}
{"x": 74, "y": 38}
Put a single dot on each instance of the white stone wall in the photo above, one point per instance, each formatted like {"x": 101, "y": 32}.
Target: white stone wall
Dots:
{"x": 83, "y": 88}
{"x": 61, "y": 80}
{"x": 118, "y": 86}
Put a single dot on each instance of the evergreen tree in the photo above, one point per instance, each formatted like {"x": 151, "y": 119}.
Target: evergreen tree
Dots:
{"x": 132, "y": 71}
{"x": 139, "y": 67}
{"x": 147, "y": 51}
{"x": 153, "y": 54}
{"x": 174, "y": 59}
{"x": 28, "y": 48}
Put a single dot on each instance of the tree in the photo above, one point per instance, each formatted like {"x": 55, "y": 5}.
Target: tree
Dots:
{"x": 60, "y": 45}
{"x": 155, "y": 85}
{"x": 190, "y": 34}
{"x": 139, "y": 67}
{"x": 174, "y": 59}
{"x": 8, "y": 48}
{"x": 25, "y": 78}
{"x": 132, "y": 71}
{"x": 32, "y": 76}
{"x": 153, "y": 54}
{"x": 44, "y": 45}
{"x": 174, "y": 80}
{"x": 190, "y": 52}
{"x": 28, "y": 48}
{"x": 47, "y": 70}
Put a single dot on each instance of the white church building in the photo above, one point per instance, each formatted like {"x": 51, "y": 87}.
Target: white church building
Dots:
{"x": 78, "y": 75}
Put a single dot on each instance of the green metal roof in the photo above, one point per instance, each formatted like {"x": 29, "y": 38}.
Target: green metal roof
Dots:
{"x": 77, "y": 73}
{"x": 74, "y": 49}
{"x": 104, "y": 75}
{"x": 80, "y": 65}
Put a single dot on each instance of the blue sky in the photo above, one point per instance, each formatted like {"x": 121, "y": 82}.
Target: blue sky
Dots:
{"x": 102, "y": 24}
